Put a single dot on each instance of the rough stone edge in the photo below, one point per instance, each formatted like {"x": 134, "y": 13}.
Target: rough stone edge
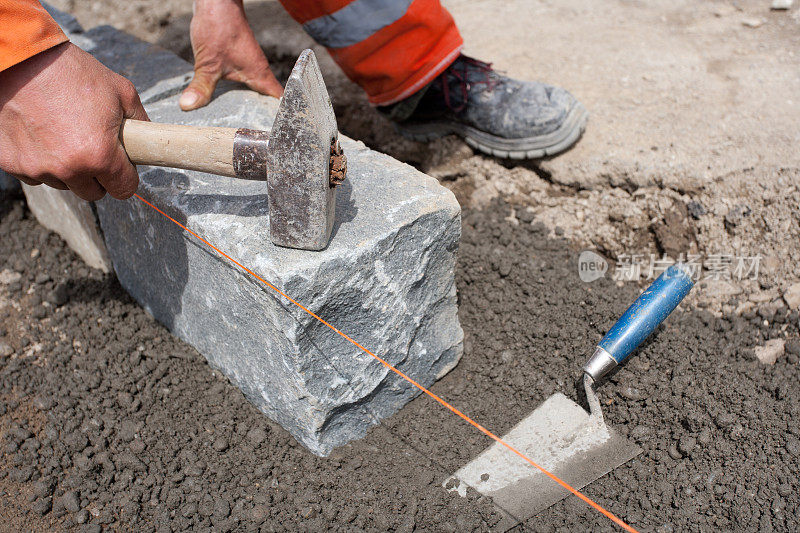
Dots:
{"x": 73, "y": 219}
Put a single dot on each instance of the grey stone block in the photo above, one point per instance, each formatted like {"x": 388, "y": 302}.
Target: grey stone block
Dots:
{"x": 155, "y": 72}
{"x": 68, "y": 23}
{"x": 71, "y": 27}
{"x": 73, "y": 219}
{"x": 386, "y": 279}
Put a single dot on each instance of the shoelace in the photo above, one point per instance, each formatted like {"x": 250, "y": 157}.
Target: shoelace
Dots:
{"x": 460, "y": 70}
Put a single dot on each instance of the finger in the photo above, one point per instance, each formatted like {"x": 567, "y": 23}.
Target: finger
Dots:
{"x": 27, "y": 181}
{"x": 200, "y": 89}
{"x": 121, "y": 179}
{"x": 265, "y": 83}
{"x": 54, "y": 183}
{"x": 45, "y": 179}
{"x": 87, "y": 188}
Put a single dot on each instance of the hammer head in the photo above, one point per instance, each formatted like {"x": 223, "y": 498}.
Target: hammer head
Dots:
{"x": 303, "y": 147}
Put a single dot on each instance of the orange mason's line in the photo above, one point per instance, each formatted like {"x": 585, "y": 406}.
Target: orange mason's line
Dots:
{"x": 479, "y": 427}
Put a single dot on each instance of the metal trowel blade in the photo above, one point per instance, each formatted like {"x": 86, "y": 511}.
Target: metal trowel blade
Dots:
{"x": 561, "y": 437}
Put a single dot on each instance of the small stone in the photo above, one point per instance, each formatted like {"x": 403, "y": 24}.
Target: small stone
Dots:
{"x": 704, "y": 438}
{"x": 781, "y": 5}
{"x": 21, "y": 475}
{"x": 631, "y": 393}
{"x": 793, "y": 445}
{"x": 43, "y": 403}
{"x": 206, "y": 508}
{"x": 695, "y": 209}
{"x": 259, "y": 513}
{"x": 44, "y": 488}
{"x": 792, "y": 296}
{"x": 770, "y": 352}
{"x": 221, "y": 444}
{"x": 222, "y": 508}
{"x": 76, "y": 441}
{"x": 71, "y": 502}
{"x": 82, "y": 516}
{"x": 189, "y": 510}
{"x": 752, "y": 22}
{"x": 137, "y": 446}
{"x": 39, "y": 312}
{"x": 674, "y": 453}
{"x": 7, "y": 277}
{"x": 735, "y": 216}
{"x": 525, "y": 216}
{"x": 42, "y": 506}
{"x": 5, "y": 349}
{"x": 687, "y": 444}
{"x": 724, "y": 420}
{"x": 256, "y": 436}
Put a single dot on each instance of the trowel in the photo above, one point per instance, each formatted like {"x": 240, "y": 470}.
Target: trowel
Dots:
{"x": 560, "y": 435}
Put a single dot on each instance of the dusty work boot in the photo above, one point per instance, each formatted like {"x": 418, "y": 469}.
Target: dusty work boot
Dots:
{"x": 493, "y": 113}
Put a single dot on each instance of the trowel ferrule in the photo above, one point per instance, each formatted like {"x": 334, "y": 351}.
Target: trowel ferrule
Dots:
{"x": 640, "y": 320}
{"x": 599, "y": 364}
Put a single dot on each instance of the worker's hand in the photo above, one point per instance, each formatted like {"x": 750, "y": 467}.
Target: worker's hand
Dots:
{"x": 60, "y": 115}
{"x": 225, "y": 48}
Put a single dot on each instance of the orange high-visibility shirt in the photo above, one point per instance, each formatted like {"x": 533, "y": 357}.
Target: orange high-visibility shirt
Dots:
{"x": 25, "y": 30}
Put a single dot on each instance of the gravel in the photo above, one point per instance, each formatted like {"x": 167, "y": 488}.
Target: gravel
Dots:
{"x": 112, "y": 423}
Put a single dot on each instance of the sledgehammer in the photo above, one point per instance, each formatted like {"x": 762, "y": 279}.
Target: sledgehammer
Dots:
{"x": 300, "y": 159}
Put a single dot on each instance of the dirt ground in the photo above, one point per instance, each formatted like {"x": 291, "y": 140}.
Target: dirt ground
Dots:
{"x": 107, "y": 422}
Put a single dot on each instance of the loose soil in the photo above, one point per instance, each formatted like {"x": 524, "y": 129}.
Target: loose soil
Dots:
{"x": 108, "y": 422}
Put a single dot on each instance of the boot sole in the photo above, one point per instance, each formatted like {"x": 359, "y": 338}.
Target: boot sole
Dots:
{"x": 526, "y": 148}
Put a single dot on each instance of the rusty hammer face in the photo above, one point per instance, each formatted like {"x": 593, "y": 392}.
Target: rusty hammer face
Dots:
{"x": 300, "y": 158}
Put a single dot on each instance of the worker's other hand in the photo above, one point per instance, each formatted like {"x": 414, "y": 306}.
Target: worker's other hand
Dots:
{"x": 225, "y": 48}
{"x": 60, "y": 116}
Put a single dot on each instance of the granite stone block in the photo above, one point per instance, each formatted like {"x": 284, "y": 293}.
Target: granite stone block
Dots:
{"x": 386, "y": 279}
{"x": 68, "y": 23}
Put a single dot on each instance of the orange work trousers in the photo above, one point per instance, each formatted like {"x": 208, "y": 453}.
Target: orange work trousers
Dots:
{"x": 390, "y": 48}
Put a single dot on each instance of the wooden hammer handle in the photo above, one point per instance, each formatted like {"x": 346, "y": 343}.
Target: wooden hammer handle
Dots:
{"x": 237, "y": 153}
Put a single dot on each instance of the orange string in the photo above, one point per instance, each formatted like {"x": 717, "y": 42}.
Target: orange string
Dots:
{"x": 479, "y": 427}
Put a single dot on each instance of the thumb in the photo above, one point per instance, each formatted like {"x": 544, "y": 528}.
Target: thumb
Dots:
{"x": 200, "y": 89}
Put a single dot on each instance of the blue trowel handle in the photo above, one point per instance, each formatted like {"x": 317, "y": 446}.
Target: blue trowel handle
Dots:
{"x": 640, "y": 320}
